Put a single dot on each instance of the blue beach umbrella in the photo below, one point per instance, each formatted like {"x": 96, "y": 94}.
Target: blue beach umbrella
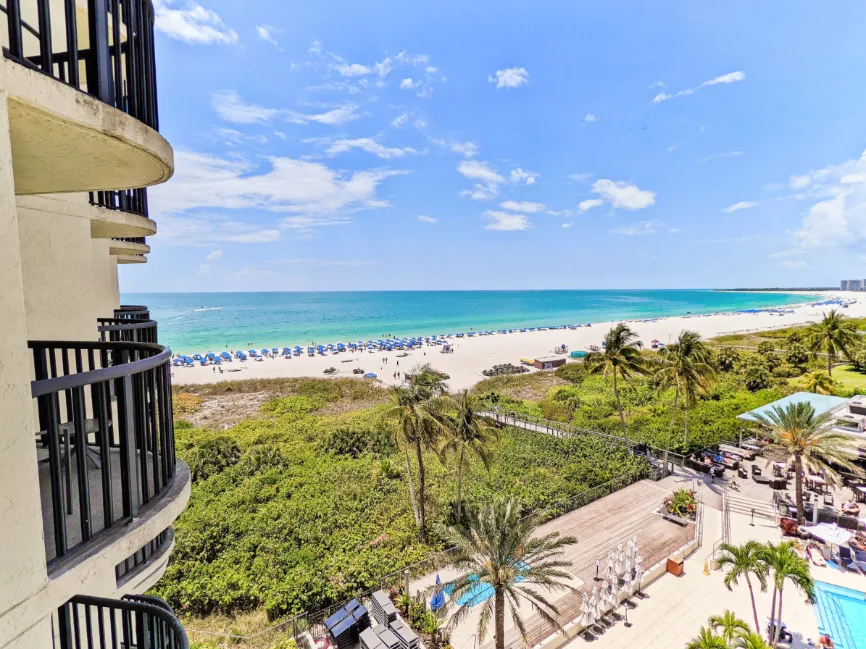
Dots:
{"x": 438, "y": 599}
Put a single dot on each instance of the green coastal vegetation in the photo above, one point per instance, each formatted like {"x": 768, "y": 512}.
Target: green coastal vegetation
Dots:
{"x": 323, "y": 487}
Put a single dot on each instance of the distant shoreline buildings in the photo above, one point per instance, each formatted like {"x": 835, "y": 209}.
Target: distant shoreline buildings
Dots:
{"x": 853, "y": 284}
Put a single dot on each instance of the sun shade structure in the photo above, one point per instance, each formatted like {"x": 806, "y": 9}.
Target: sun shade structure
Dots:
{"x": 820, "y": 402}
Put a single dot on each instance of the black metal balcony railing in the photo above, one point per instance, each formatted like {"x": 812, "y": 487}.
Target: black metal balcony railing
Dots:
{"x": 132, "y": 312}
{"x": 106, "y": 440}
{"x": 126, "y": 330}
{"x": 133, "y": 201}
{"x": 140, "y": 621}
{"x": 129, "y": 567}
{"x": 139, "y": 240}
{"x": 110, "y": 57}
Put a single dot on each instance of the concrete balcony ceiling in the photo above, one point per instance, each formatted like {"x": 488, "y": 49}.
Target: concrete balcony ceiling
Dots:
{"x": 64, "y": 140}
{"x": 131, "y": 259}
{"x": 107, "y": 224}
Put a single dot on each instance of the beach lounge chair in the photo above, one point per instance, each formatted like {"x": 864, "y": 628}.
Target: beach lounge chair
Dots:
{"x": 860, "y": 559}
{"x": 846, "y": 558}
{"x": 756, "y": 470}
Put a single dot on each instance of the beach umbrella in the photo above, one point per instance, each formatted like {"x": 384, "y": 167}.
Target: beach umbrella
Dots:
{"x": 610, "y": 571}
{"x": 594, "y": 604}
{"x": 619, "y": 563}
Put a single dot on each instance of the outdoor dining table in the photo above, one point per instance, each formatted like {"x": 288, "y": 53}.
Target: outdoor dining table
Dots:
{"x": 816, "y": 482}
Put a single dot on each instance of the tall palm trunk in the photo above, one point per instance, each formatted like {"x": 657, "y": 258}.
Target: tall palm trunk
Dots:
{"x": 412, "y": 489}
{"x": 499, "y": 614}
{"x": 754, "y": 606}
{"x": 778, "y": 621}
{"x": 773, "y": 611}
{"x": 686, "y": 436}
{"x": 829, "y": 364}
{"x": 670, "y": 432}
{"x": 619, "y": 406}
{"x": 421, "y": 490}
{"x": 798, "y": 489}
{"x": 460, "y": 484}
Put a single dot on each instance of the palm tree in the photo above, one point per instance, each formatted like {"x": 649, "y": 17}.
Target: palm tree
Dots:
{"x": 419, "y": 412}
{"x": 497, "y": 548}
{"x": 472, "y": 433}
{"x": 706, "y": 639}
{"x": 744, "y": 561}
{"x": 686, "y": 366}
{"x": 786, "y": 566}
{"x": 620, "y": 358}
{"x": 834, "y": 334}
{"x": 750, "y": 641}
{"x": 818, "y": 382}
{"x": 731, "y": 626}
{"x": 808, "y": 443}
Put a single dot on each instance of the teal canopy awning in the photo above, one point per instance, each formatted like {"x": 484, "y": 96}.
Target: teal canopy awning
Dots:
{"x": 820, "y": 402}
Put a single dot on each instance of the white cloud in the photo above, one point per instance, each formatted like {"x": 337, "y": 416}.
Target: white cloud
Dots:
{"x": 306, "y": 223}
{"x": 204, "y": 230}
{"x": 487, "y": 187}
{"x": 589, "y": 118}
{"x": 509, "y": 78}
{"x": 336, "y": 116}
{"x": 234, "y": 137}
{"x": 266, "y": 33}
{"x": 672, "y": 148}
{"x": 580, "y": 178}
{"x": 400, "y": 121}
{"x": 736, "y": 207}
{"x": 231, "y": 108}
{"x": 426, "y": 219}
{"x": 408, "y": 84}
{"x": 721, "y": 156}
{"x": 731, "y": 77}
{"x": 312, "y": 262}
{"x": 657, "y": 84}
{"x": 466, "y": 149}
{"x": 793, "y": 264}
{"x": 522, "y": 206}
{"x": 192, "y": 24}
{"x": 566, "y": 225}
{"x": 369, "y": 145}
{"x": 589, "y": 203}
{"x": 523, "y": 176}
{"x": 620, "y": 194}
{"x": 836, "y": 218}
{"x": 312, "y": 193}
{"x": 505, "y": 221}
{"x": 640, "y": 228}
{"x": 215, "y": 255}
{"x": 353, "y": 69}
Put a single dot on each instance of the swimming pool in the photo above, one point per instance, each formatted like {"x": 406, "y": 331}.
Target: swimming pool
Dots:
{"x": 479, "y": 592}
{"x": 842, "y": 615}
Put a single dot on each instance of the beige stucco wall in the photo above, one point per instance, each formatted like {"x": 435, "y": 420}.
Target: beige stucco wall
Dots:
{"x": 70, "y": 279}
{"x": 22, "y": 560}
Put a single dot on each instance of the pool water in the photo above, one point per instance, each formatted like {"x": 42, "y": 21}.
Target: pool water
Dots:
{"x": 842, "y": 615}
{"x": 477, "y": 593}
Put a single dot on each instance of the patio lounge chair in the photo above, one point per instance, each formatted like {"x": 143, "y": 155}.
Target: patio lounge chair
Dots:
{"x": 847, "y": 559}
{"x": 761, "y": 479}
{"x": 756, "y": 470}
{"x": 860, "y": 559}
{"x": 828, "y": 499}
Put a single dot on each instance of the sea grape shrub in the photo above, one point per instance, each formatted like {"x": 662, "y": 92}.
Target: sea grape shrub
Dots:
{"x": 766, "y": 347}
{"x": 755, "y": 373}
{"x": 259, "y": 459}
{"x": 794, "y": 338}
{"x": 572, "y": 372}
{"x": 211, "y": 456}
{"x": 798, "y": 356}
{"x": 294, "y": 405}
{"x": 858, "y": 359}
{"x": 184, "y": 403}
{"x": 682, "y": 503}
{"x": 727, "y": 359}
{"x": 347, "y": 441}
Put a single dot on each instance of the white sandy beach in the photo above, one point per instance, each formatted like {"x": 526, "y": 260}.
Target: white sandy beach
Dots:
{"x": 473, "y": 355}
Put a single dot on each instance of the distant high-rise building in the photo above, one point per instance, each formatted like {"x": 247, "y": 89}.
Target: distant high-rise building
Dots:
{"x": 854, "y": 284}
{"x": 843, "y": 285}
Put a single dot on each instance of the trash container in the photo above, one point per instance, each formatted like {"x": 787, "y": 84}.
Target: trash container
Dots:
{"x": 675, "y": 565}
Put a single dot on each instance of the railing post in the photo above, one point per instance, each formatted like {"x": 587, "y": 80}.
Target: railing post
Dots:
{"x": 99, "y": 79}
{"x": 16, "y": 41}
{"x": 128, "y": 437}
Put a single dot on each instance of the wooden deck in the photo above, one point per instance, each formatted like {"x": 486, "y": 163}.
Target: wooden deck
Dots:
{"x": 598, "y": 527}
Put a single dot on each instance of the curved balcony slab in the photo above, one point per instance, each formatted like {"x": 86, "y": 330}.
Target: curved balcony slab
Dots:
{"x": 131, "y": 259}
{"x": 120, "y": 247}
{"x": 110, "y": 224}
{"x": 64, "y": 140}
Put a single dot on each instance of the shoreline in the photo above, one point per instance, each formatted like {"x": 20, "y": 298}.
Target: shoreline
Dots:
{"x": 472, "y": 355}
{"x": 420, "y": 332}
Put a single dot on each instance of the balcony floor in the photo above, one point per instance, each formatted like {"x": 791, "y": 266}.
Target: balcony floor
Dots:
{"x": 73, "y": 519}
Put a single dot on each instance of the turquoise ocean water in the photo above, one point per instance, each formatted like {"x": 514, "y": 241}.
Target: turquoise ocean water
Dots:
{"x": 195, "y": 322}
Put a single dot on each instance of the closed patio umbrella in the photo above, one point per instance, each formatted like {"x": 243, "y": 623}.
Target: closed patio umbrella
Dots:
{"x": 587, "y": 615}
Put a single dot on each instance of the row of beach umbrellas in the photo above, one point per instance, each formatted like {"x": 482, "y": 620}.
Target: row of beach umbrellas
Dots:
{"x": 622, "y": 574}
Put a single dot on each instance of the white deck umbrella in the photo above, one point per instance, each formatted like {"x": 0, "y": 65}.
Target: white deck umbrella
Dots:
{"x": 587, "y": 614}
{"x": 610, "y": 571}
{"x": 619, "y": 565}
{"x": 638, "y": 572}
{"x": 612, "y": 595}
{"x": 595, "y": 604}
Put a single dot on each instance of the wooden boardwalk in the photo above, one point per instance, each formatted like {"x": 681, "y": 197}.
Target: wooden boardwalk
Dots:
{"x": 599, "y": 526}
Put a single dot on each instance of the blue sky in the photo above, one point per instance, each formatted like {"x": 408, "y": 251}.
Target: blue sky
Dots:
{"x": 492, "y": 145}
